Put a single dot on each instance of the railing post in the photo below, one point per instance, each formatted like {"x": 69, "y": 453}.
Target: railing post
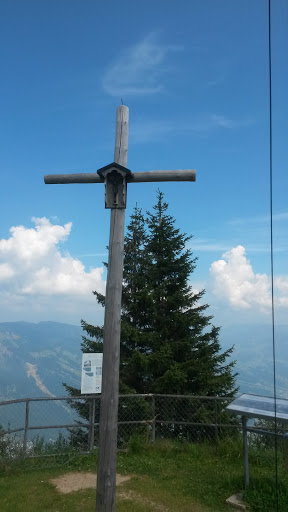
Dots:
{"x": 153, "y": 433}
{"x": 285, "y": 445}
{"x": 91, "y": 424}
{"x": 245, "y": 452}
{"x": 216, "y": 420}
{"x": 26, "y": 428}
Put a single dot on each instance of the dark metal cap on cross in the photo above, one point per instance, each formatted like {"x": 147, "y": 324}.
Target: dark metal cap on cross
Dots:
{"x": 115, "y": 176}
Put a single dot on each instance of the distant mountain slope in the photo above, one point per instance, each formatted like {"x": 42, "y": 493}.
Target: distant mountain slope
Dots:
{"x": 35, "y": 359}
{"x": 254, "y": 355}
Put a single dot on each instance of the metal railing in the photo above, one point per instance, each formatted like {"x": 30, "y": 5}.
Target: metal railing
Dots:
{"x": 150, "y": 417}
{"x": 186, "y": 417}
{"x": 27, "y": 427}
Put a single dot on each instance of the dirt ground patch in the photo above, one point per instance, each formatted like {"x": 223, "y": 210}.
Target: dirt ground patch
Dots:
{"x": 71, "y": 482}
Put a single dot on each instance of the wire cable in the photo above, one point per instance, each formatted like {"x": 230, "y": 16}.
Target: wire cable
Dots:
{"x": 271, "y": 252}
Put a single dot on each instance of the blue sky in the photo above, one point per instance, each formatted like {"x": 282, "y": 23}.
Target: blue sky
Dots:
{"x": 195, "y": 78}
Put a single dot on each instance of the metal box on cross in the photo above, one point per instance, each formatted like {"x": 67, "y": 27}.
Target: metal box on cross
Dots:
{"x": 115, "y": 177}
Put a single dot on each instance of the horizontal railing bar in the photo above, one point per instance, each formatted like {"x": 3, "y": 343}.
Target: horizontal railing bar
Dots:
{"x": 141, "y": 422}
{"x": 266, "y": 432}
{"x": 193, "y": 397}
{"x": 70, "y": 453}
{"x": 134, "y": 395}
{"x": 219, "y": 425}
{"x": 76, "y": 425}
{"x": 73, "y": 425}
{"x": 47, "y": 398}
{"x": 67, "y": 398}
{"x": 3, "y": 432}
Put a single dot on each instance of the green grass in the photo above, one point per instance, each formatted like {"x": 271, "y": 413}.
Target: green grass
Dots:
{"x": 165, "y": 477}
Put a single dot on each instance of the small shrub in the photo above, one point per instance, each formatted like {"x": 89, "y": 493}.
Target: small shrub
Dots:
{"x": 137, "y": 443}
{"x": 54, "y": 446}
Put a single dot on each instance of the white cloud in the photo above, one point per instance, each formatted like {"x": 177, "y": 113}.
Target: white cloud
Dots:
{"x": 138, "y": 71}
{"x": 6, "y": 271}
{"x": 36, "y": 276}
{"x": 26, "y": 245}
{"x": 281, "y": 284}
{"x": 234, "y": 280}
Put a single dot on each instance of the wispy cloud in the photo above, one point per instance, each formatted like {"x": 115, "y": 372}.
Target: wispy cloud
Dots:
{"x": 214, "y": 82}
{"x": 140, "y": 70}
{"x": 258, "y": 219}
{"x": 212, "y": 121}
{"x": 206, "y": 245}
{"x": 143, "y": 130}
{"x": 222, "y": 121}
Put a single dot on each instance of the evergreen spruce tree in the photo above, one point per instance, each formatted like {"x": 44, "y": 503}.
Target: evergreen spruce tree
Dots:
{"x": 168, "y": 343}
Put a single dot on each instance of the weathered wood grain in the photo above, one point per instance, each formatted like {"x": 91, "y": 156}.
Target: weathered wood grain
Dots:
{"x": 55, "y": 179}
{"x": 137, "y": 177}
{"x": 106, "y": 473}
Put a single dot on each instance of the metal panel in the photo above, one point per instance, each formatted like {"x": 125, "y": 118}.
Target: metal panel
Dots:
{"x": 255, "y": 406}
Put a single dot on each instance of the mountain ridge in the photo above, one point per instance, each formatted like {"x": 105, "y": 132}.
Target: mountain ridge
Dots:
{"x": 54, "y": 351}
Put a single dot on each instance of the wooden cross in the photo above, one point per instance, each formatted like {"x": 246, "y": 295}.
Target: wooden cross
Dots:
{"x": 115, "y": 177}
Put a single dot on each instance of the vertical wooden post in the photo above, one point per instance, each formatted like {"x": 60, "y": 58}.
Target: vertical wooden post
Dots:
{"x": 26, "y": 428}
{"x": 106, "y": 474}
{"x": 245, "y": 452}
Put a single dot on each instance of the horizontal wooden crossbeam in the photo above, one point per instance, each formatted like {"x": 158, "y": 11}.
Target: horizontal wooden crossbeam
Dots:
{"x": 136, "y": 177}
